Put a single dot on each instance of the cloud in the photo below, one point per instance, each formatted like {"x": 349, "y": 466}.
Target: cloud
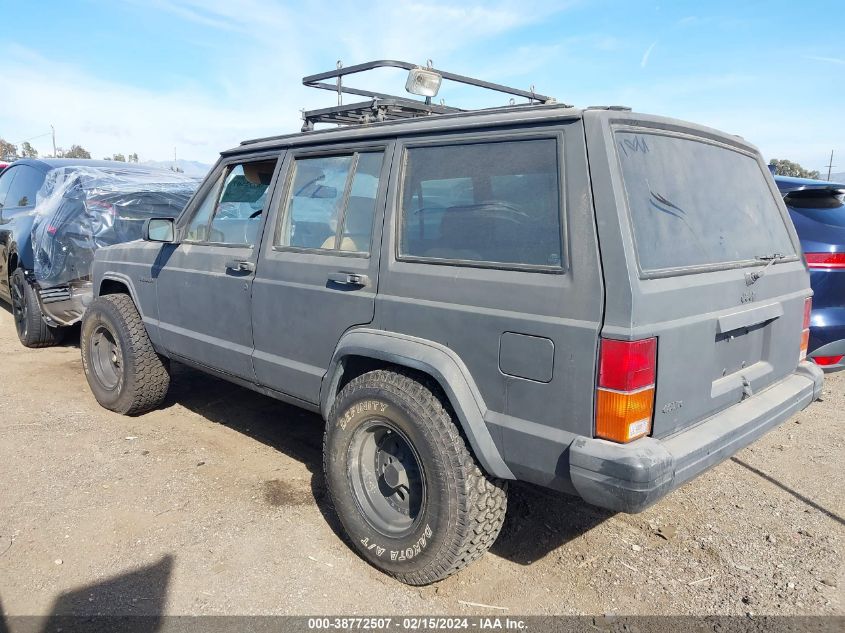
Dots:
{"x": 829, "y": 60}
{"x": 647, "y": 54}
{"x": 251, "y": 86}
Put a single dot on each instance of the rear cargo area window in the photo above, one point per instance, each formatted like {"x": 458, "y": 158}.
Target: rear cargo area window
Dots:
{"x": 495, "y": 203}
{"x": 693, "y": 203}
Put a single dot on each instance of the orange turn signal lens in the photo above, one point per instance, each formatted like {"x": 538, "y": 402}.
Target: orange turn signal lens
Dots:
{"x": 805, "y": 344}
{"x": 623, "y": 417}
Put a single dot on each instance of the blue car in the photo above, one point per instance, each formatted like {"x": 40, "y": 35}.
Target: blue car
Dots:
{"x": 817, "y": 208}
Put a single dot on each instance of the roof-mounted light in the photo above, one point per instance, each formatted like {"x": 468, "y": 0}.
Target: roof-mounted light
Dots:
{"x": 423, "y": 82}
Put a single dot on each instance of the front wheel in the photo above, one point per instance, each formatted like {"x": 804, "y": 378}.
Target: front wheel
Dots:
{"x": 406, "y": 488}
{"x": 123, "y": 369}
{"x": 32, "y": 330}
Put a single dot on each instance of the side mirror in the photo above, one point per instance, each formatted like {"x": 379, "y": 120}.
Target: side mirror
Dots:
{"x": 159, "y": 230}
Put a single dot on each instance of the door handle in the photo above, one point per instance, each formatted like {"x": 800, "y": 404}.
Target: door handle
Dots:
{"x": 240, "y": 266}
{"x": 349, "y": 279}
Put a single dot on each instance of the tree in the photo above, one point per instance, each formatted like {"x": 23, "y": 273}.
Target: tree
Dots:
{"x": 785, "y": 167}
{"x": 133, "y": 157}
{"x": 77, "y": 151}
{"x": 119, "y": 157}
{"x": 28, "y": 151}
{"x": 7, "y": 150}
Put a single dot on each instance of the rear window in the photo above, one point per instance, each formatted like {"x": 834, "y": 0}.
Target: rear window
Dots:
{"x": 694, "y": 203}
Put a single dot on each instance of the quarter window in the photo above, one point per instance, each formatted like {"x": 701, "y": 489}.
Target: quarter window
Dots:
{"x": 331, "y": 202}
{"x": 495, "y": 203}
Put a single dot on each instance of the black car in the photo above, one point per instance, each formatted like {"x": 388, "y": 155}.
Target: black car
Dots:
{"x": 54, "y": 214}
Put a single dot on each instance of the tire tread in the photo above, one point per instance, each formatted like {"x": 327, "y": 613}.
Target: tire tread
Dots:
{"x": 148, "y": 377}
{"x": 479, "y": 513}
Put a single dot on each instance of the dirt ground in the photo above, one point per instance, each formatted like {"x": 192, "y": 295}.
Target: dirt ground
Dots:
{"x": 215, "y": 505}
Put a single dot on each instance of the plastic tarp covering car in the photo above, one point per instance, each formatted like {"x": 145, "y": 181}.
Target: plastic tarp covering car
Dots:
{"x": 81, "y": 209}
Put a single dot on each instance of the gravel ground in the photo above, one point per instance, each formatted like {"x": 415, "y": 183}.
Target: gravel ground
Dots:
{"x": 215, "y": 505}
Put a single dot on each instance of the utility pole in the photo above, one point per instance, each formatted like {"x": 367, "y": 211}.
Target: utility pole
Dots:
{"x": 54, "y": 139}
{"x": 830, "y": 166}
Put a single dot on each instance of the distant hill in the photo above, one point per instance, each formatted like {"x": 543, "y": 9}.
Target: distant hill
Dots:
{"x": 190, "y": 167}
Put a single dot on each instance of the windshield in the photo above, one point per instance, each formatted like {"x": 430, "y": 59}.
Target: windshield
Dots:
{"x": 694, "y": 203}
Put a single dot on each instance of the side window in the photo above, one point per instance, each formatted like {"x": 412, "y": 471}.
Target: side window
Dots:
{"x": 331, "y": 202}
{"x": 198, "y": 227}
{"x": 491, "y": 202}
{"x": 5, "y": 182}
{"x": 27, "y": 183}
{"x": 234, "y": 205}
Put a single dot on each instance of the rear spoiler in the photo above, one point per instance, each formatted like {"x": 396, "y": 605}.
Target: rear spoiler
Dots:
{"x": 789, "y": 185}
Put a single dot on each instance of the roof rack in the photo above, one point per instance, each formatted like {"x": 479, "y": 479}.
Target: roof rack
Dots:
{"x": 385, "y": 107}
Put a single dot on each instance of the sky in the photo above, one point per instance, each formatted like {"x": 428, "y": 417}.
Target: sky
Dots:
{"x": 198, "y": 76}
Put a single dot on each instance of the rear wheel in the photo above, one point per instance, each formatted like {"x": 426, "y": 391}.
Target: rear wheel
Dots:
{"x": 123, "y": 370}
{"x": 32, "y": 330}
{"x": 406, "y": 488}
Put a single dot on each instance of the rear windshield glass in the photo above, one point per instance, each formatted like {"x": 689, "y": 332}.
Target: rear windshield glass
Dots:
{"x": 693, "y": 203}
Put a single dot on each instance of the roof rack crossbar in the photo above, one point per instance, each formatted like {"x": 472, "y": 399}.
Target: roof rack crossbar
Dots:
{"x": 383, "y": 106}
{"x": 316, "y": 81}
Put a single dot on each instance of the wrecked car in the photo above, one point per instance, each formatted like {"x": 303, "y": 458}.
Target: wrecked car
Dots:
{"x": 54, "y": 215}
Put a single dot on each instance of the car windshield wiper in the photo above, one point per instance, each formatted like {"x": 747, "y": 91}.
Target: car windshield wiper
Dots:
{"x": 751, "y": 278}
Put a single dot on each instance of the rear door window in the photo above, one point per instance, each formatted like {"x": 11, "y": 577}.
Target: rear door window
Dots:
{"x": 6, "y": 182}
{"x": 26, "y": 184}
{"x": 483, "y": 203}
{"x": 331, "y": 202}
{"x": 694, "y": 203}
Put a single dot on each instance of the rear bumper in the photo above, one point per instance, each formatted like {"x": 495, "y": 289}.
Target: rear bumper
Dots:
{"x": 827, "y": 332}
{"x": 834, "y": 348}
{"x": 631, "y": 477}
{"x": 65, "y": 305}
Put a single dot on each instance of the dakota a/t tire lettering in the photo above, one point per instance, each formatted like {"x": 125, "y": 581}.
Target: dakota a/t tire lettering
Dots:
{"x": 461, "y": 510}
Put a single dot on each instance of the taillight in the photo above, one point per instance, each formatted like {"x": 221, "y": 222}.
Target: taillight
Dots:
{"x": 827, "y": 361}
{"x": 805, "y": 332}
{"x": 99, "y": 206}
{"x": 625, "y": 391}
{"x": 825, "y": 261}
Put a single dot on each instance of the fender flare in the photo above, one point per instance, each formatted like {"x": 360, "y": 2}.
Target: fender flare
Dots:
{"x": 123, "y": 279}
{"x": 439, "y": 362}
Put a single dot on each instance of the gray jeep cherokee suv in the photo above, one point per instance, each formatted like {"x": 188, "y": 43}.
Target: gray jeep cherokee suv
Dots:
{"x": 536, "y": 292}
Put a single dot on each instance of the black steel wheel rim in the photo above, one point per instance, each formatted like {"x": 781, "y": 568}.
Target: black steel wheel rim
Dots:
{"x": 19, "y": 307}
{"x": 106, "y": 357}
{"x": 386, "y": 477}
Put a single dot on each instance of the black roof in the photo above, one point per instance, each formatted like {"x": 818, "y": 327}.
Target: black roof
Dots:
{"x": 504, "y": 115}
{"x": 46, "y": 164}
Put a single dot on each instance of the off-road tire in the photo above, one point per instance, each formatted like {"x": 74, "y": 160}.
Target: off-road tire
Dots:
{"x": 30, "y": 325}
{"x": 463, "y": 509}
{"x": 142, "y": 377}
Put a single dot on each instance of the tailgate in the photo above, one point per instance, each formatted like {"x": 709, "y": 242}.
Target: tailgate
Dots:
{"x": 721, "y": 341}
{"x": 703, "y": 257}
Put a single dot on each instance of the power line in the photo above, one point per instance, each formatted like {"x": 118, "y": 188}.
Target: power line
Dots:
{"x": 32, "y": 138}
